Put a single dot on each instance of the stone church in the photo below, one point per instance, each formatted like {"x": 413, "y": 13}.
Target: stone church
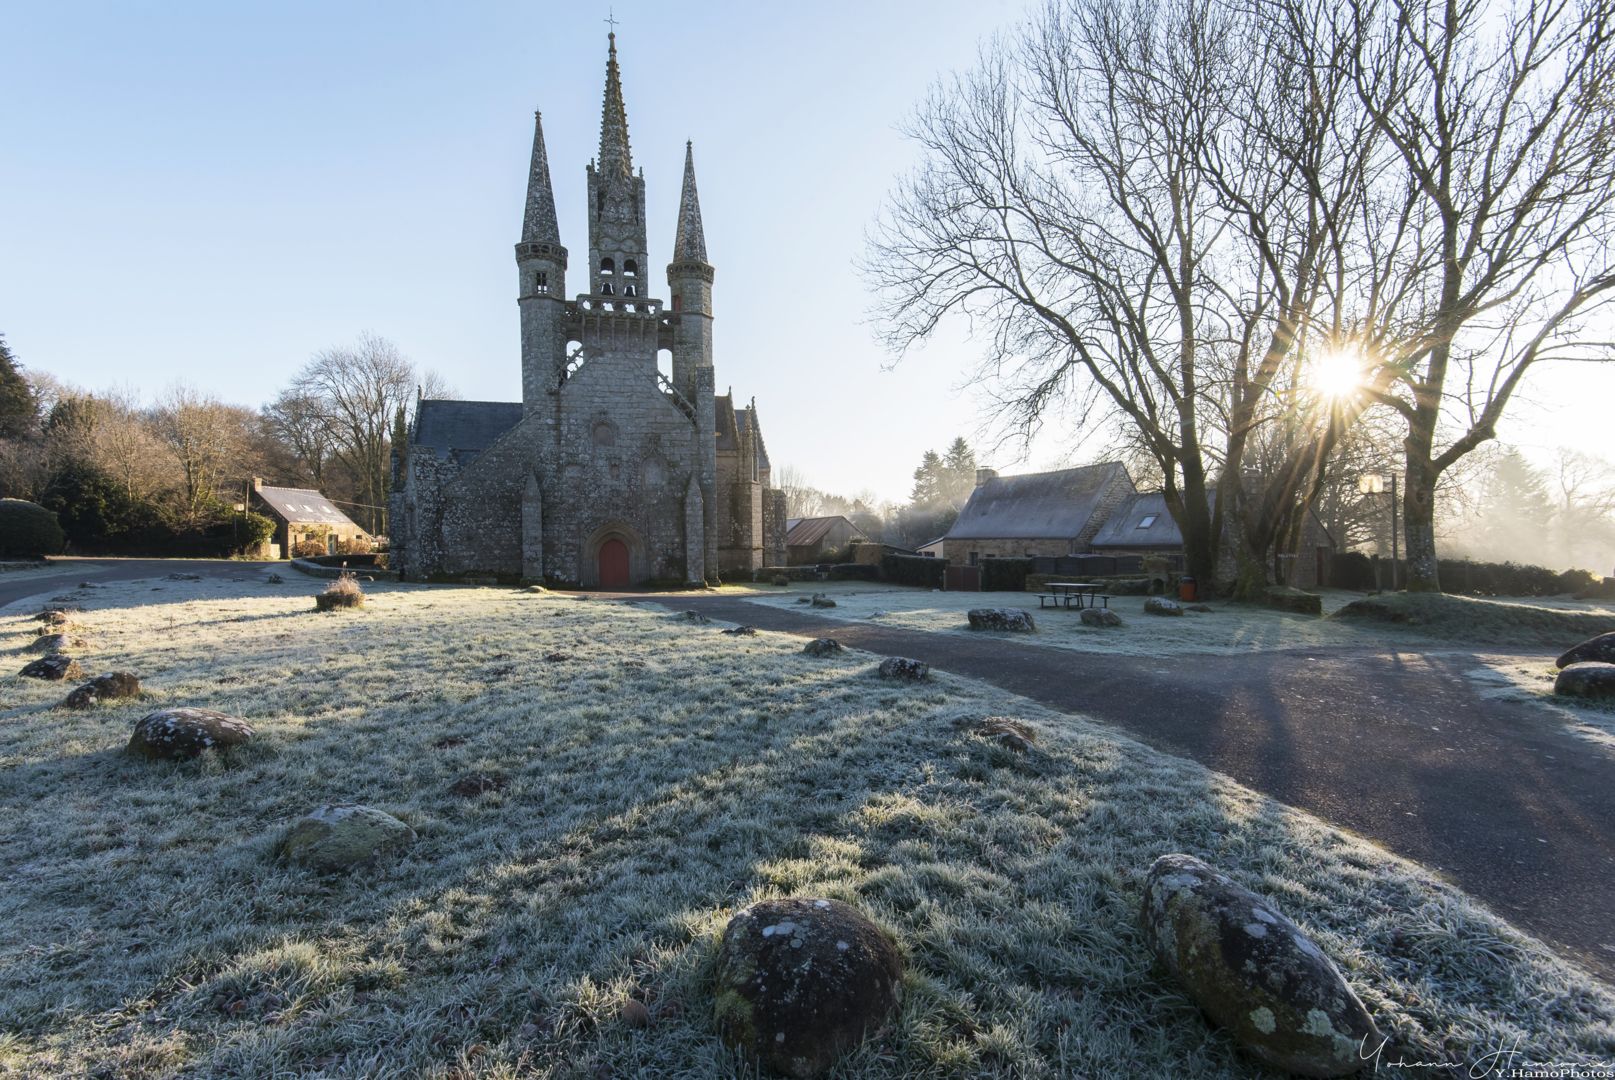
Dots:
{"x": 608, "y": 472}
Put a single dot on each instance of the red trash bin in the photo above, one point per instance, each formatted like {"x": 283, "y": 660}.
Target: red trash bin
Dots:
{"x": 1186, "y": 589}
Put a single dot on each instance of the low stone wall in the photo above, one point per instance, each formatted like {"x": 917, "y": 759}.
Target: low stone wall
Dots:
{"x": 363, "y": 573}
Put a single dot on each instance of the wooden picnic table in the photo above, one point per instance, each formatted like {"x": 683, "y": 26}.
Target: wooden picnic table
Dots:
{"x": 1079, "y": 591}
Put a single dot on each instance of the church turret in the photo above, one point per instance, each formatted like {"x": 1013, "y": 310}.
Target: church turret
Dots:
{"x": 689, "y": 277}
{"x": 617, "y": 250}
{"x": 541, "y": 282}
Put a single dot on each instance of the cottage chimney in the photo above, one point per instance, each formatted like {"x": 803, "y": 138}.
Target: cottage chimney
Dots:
{"x": 984, "y": 474}
{"x": 257, "y": 483}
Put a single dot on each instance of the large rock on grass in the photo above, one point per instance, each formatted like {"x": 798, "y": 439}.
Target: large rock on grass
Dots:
{"x": 1098, "y": 616}
{"x": 902, "y": 669}
{"x": 113, "y": 686}
{"x": 1254, "y": 972}
{"x": 1160, "y": 605}
{"x": 801, "y": 982}
{"x": 55, "y": 668}
{"x": 182, "y": 733}
{"x": 1600, "y": 649}
{"x": 1298, "y": 601}
{"x": 821, "y": 600}
{"x": 1014, "y": 619}
{"x": 342, "y": 836}
{"x": 50, "y": 643}
{"x": 822, "y": 646}
{"x": 1587, "y": 679}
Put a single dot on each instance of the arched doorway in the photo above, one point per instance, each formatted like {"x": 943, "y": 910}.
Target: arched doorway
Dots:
{"x": 613, "y": 564}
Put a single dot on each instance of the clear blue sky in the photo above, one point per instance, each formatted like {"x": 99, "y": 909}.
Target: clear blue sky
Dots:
{"x": 212, "y": 192}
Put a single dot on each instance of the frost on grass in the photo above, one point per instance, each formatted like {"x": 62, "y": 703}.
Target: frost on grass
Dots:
{"x": 150, "y": 932}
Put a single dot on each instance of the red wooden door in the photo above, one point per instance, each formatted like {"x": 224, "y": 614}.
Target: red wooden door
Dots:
{"x": 613, "y": 564}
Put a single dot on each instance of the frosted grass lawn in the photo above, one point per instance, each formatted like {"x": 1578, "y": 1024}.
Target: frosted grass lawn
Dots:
{"x": 1228, "y": 630}
{"x": 660, "y": 776}
{"x": 1530, "y": 679}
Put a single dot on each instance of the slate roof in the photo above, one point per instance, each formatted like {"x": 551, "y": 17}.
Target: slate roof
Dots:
{"x": 806, "y": 532}
{"x": 1122, "y": 530}
{"x": 462, "y": 429}
{"x": 303, "y": 506}
{"x": 1035, "y": 506}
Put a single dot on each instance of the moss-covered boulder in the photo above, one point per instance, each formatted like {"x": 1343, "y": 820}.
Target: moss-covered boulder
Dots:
{"x": 822, "y": 646}
{"x": 1600, "y": 649}
{"x": 1012, "y": 619}
{"x": 1587, "y": 679}
{"x": 342, "y": 836}
{"x": 803, "y": 981}
{"x": 1254, "y": 972}
{"x": 113, "y": 686}
{"x": 55, "y": 668}
{"x": 1160, "y": 605}
{"x": 904, "y": 669}
{"x": 182, "y": 733}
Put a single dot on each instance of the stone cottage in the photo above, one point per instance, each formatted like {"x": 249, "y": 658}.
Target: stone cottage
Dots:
{"x": 607, "y": 472}
{"x": 305, "y": 520}
{"x": 1049, "y": 513}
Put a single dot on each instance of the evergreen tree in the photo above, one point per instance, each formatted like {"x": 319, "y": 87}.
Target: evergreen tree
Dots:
{"x": 958, "y": 475}
{"x": 928, "y": 479}
{"x": 19, "y": 412}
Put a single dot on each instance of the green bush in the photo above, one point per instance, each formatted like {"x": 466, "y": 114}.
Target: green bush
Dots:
{"x": 1004, "y": 575}
{"x": 852, "y": 571}
{"x": 914, "y": 570}
{"x": 1470, "y": 578}
{"x": 28, "y": 530}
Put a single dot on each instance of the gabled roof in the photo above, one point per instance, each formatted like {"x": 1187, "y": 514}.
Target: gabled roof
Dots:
{"x": 1036, "y": 506}
{"x": 1126, "y": 527}
{"x": 806, "y": 532}
{"x": 302, "y": 506}
{"x": 462, "y": 429}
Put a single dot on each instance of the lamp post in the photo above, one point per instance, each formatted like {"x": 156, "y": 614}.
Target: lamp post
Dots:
{"x": 1374, "y": 484}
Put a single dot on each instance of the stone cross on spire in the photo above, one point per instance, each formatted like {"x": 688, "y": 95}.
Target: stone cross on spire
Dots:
{"x": 690, "y": 244}
{"x": 615, "y": 157}
{"x": 538, "y": 223}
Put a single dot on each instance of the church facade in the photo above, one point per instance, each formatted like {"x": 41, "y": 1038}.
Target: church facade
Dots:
{"x": 608, "y": 472}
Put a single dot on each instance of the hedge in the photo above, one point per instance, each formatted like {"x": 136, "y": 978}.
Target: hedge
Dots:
{"x": 28, "y": 530}
{"x": 1470, "y": 578}
{"x": 1004, "y": 575}
{"x": 1352, "y": 570}
{"x": 914, "y": 570}
{"x": 852, "y": 571}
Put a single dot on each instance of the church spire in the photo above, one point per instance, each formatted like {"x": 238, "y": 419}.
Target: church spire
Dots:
{"x": 615, "y": 157}
{"x": 538, "y": 224}
{"x": 690, "y": 244}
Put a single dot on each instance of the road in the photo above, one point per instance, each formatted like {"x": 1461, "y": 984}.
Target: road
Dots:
{"x": 1396, "y": 746}
{"x": 67, "y": 572}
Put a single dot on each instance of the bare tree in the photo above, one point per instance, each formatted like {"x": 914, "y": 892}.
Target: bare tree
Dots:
{"x": 357, "y": 391}
{"x": 209, "y": 441}
{"x": 300, "y": 422}
{"x": 801, "y": 498}
{"x": 1146, "y": 204}
{"x": 128, "y": 443}
{"x": 1501, "y": 135}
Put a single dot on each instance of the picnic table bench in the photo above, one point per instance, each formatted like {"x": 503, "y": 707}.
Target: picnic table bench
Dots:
{"x": 1069, "y": 594}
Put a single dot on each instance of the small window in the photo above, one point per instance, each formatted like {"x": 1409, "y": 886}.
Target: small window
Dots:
{"x": 605, "y": 288}
{"x": 541, "y": 282}
{"x": 607, "y": 266}
{"x": 1147, "y": 520}
{"x": 972, "y": 558}
{"x": 604, "y": 434}
{"x": 629, "y": 290}
{"x": 630, "y": 268}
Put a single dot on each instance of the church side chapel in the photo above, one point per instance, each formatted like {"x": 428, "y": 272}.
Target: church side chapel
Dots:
{"x": 607, "y": 473}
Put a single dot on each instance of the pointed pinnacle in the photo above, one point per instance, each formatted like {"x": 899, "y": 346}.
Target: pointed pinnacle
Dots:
{"x": 690, "y": 243}
{"x": 538, "y": 223}
{"x": 615, "y": 156}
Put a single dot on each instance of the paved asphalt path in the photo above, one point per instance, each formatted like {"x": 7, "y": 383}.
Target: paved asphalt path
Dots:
{"x": 1395, "y": 745}
{"x": 68, "y": 572}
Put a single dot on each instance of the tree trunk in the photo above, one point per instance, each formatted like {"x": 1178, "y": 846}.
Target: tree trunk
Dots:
{"x": 1419, "y": 527}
